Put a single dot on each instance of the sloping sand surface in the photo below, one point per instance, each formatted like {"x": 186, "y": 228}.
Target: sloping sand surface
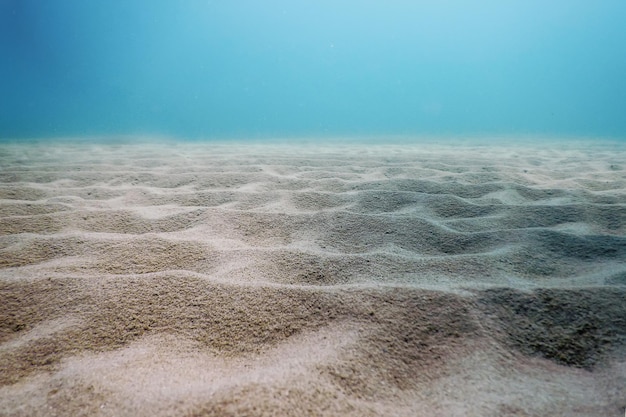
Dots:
{"x": 347, "y": 279}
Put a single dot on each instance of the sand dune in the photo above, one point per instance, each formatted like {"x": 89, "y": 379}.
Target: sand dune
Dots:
{"x": 212, "y": 279}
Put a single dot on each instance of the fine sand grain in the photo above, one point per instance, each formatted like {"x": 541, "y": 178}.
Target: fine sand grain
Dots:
{"x": 345, "y": 279}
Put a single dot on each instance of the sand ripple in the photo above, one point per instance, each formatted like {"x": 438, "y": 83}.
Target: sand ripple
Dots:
{"x": 223, "y": 279}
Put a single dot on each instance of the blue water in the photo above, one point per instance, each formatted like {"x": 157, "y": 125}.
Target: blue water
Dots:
{"x": 252, "y": 68}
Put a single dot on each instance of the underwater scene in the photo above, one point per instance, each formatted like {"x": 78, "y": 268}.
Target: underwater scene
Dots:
{"x": 312, "y": 208}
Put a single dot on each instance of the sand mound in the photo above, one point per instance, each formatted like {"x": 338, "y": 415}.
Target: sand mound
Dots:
{"x": 257, "y": 279}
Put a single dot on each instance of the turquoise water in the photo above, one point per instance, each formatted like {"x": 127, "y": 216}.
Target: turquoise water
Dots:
{"x": 244, "y": 68}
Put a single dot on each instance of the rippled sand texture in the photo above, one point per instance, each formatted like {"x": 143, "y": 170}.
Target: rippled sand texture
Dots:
{"x": 249, "y": 279}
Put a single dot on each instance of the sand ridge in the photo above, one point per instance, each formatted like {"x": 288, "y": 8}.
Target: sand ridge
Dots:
{"x": 217, "y": 278}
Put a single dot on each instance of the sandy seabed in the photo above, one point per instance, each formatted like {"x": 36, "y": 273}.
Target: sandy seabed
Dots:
{"x": 347, "y": 279}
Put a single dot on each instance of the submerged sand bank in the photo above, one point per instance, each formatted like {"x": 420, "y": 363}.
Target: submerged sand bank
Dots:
{"x": 348, "y": 279}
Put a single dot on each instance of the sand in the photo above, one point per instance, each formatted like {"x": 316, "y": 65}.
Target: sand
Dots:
{"x": 328, "y": 279}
